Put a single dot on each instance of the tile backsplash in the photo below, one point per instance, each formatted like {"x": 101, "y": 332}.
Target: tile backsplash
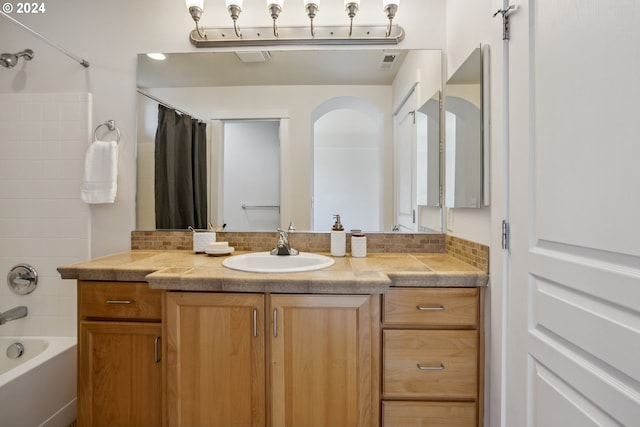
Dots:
{"x": 43, "y": 223}
{"x": 470, "y": 252}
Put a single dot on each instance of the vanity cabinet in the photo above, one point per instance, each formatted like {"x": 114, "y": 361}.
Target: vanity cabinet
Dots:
{"x": 277, "y": 360}
{"x": 120, "y": 377}
{"x": 432, "y": 357}
{"x": 215, "y": 359}
{"x": 324, "y": 360}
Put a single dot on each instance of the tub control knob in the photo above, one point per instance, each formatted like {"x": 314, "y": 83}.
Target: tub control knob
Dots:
{"x": 22, "y": 279}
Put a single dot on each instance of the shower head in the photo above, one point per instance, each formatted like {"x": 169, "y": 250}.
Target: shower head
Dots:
{"x": 9, "y": 60}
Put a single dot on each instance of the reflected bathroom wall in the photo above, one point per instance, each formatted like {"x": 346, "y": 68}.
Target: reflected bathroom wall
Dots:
{"x": 347, "y": 153}
{"x": 292, "y": 103}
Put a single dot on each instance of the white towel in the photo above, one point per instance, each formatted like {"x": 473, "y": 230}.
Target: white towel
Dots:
{"x": 100, "y": 172}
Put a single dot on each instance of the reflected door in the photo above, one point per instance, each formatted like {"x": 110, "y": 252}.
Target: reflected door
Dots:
{"x": 406, "y": 203}
{"x": 251, "y": 175}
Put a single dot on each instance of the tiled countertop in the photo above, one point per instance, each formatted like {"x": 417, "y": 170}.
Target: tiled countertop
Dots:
{"x": 186, "y": 271}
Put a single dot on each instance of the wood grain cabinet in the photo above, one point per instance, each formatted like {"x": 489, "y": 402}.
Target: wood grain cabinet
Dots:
{"x": 277, "y": 360}
{"x": 215, "y": 372}
{"x": 120, "y": 377}
{"x": 432, "y": 357}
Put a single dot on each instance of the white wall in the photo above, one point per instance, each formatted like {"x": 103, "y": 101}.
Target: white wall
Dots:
{"x": 43, "y": 223}
{"x": 468, "y": 24}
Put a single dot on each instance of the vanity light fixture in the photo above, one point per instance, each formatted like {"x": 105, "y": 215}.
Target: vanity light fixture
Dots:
{"x": 234, "y": 7}
{"x": 275, "y": 7}
{"x": 312, "y": 7}
{"x": 387, "y": 34}
{"x": 196, "y": 9}
{"x": 351, "y": 6}
{"x": 390, "y": 7}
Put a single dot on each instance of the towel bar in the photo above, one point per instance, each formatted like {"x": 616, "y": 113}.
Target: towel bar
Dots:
{"x": 247, "y": 206}
{"x": 111, "y": 125}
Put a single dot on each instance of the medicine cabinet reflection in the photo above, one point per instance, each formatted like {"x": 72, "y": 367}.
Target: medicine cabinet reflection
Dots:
{"x": 465, "y": 143}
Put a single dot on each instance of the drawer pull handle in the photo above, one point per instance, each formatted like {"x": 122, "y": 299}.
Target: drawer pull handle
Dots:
{"x": 116, "y": 301}
{"x": 275, "y": 323}
{"x": 423, "y": 308}
{"x": 439, "y": 367}
{"x": 156, "y": 350}
{"x": 255, "y": 322}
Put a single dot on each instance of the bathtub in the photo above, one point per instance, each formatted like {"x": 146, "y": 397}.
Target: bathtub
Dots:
{"x": 39, "y": 387}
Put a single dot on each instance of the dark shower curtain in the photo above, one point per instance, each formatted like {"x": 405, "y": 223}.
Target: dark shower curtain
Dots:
{"x": 180, "y": 171}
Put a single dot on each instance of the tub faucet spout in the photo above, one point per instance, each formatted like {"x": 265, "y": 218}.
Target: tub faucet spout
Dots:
{"x": 13, "y": 314}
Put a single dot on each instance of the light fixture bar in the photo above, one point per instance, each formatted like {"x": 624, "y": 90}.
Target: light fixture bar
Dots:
{"x": 325, "y": 35}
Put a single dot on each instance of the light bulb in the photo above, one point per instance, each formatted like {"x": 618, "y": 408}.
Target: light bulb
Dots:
{"x": 236, "y": 3}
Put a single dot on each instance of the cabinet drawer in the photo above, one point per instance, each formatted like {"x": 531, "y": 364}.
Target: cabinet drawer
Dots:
{"x": 419, "y": 414}
{"x": 454, "y": 307}
{"x": 119, "y": 300}
{"x": 425, "y": 364}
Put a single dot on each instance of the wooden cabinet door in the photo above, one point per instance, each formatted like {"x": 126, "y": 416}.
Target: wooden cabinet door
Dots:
{"x": 324, "y": 360}
{"x": 120, "y": 375}
{"x": 215, "y": 359}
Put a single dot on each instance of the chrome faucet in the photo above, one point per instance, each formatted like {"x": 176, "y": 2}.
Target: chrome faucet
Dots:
{"x": 283, "y": 247}
{"x": 13, "y": 314}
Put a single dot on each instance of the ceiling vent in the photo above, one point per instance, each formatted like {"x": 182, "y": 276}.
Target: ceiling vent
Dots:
{"x": 254, "y": 56}
{"x": 388, "y": 59}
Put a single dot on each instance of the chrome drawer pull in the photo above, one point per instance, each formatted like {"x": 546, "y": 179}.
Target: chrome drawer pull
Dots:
{"x": 439, "y": 367}
{"x": 255, "y": 322}
{"x": 115, "y": 301}
{"x": 275, "y": 323}
{"x": 423, "y": 308}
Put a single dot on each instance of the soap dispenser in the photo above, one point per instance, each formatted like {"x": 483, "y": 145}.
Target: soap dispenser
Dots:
{"x": 338, "y": 238}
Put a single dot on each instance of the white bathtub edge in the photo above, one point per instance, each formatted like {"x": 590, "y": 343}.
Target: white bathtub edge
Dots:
{"x": 56, "y": 345}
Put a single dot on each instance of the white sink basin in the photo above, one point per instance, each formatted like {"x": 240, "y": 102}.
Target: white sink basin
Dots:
{"x": 264, "y": 262}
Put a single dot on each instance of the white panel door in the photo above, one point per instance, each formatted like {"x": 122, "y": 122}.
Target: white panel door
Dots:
{"x": 573, "y": 326}
{"x": 251, "y": 177}
{"x": 405, "y": 140}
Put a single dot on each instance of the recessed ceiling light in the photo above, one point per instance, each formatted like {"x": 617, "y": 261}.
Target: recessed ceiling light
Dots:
{"x": 157, "y": 56}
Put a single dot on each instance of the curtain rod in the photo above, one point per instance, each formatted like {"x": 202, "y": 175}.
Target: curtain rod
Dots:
{"x": 81, "y": 61}
{"x": 166, "y": 104}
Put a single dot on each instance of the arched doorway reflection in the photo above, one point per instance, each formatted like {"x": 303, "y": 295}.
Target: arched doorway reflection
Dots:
{"x": 347, "y": 135}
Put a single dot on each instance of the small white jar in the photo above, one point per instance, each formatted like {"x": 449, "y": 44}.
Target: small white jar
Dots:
{"x": 358, "y": 245}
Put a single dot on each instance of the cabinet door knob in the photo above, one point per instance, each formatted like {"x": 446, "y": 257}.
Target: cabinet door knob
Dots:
{"x": 439, "y": 367}
{"x": 424, "y": 308}
{"x": 121, "y": 301}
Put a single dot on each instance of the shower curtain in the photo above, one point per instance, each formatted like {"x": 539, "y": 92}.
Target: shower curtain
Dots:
{"x": 180, "y": 171}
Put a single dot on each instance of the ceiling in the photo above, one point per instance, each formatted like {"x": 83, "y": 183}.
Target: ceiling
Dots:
{"x": 284, "y": 67}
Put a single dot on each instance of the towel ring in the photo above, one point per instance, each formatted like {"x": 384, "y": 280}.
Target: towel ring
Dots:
{"x": 111, "y": 125}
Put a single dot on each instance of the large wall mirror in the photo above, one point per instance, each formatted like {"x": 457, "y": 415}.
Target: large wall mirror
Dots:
{"x": 330, "y": 119}
{"x": 466, "y": 145}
